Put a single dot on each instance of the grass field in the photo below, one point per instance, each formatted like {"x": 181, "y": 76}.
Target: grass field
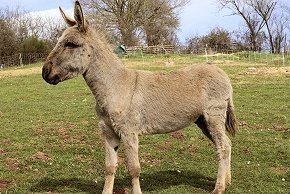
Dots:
{"x": 50, "y": 141}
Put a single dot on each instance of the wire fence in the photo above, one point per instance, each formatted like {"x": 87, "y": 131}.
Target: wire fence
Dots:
{"x": 282, "y": 59}
{"x": 22, "y": 59}
{"x": 251, "y": 57}
{"x": 244, "y": 57}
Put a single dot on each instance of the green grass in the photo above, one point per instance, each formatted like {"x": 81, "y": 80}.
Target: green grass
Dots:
{"x": 60, "y": 121}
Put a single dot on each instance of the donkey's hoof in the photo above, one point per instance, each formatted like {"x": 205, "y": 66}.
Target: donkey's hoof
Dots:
{"x": 216, "y": 192}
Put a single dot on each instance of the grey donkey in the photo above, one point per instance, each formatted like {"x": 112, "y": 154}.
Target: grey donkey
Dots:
{"x": 130, "y": 103}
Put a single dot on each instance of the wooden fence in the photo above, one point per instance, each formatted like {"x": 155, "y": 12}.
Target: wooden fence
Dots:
{"x": 22, "y": 59}
{"x": 157, "y": 50}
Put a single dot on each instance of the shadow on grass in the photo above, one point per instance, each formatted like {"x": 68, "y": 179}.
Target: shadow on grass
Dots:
{"x": 149, "y": 182}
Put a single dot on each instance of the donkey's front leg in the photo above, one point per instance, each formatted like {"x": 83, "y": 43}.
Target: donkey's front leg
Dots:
{"x": 131, "y": 148}
{"x": 112, "y": 142}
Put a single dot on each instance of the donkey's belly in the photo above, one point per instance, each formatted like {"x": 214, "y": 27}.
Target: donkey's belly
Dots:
{"x": 167, "y": 123}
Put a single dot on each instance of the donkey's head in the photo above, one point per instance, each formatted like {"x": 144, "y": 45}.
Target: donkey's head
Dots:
{"x": 71, "y": 55}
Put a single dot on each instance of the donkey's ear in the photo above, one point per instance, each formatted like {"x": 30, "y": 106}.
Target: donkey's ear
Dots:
{"x": 70, "y": 22}
{"x": 79, "y": 17}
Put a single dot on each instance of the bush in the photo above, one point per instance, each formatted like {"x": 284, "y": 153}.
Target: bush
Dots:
{"x": 33, "y": 45}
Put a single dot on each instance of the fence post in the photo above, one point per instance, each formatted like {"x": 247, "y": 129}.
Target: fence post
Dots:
{"x": 20, "y": 60}
{"x": 206, "y": 53}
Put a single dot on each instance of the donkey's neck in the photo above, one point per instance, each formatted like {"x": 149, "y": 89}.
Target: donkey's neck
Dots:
{"x": 107, "y": 77}
{"x": 104, "y": 74}
{"x": 110, "y": 81}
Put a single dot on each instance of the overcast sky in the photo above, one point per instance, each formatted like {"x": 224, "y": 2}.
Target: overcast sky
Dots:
{"x": 198, "y": 17}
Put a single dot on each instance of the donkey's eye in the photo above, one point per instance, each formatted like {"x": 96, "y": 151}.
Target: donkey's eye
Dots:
{"x": 71, "y": 45}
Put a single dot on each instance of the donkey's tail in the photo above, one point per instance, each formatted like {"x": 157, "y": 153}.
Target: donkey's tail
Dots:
{"x": 231, "y": 121}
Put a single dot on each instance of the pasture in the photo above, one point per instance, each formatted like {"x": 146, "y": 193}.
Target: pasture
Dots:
{"x": 50, "y": 142}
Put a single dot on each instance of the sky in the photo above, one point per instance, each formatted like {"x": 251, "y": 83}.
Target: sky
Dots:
{"x": 200, "y": 17}
{"x": 197, "y": 18}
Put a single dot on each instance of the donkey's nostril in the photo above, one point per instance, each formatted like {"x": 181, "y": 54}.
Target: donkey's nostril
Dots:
{"x": 46, "y": 70}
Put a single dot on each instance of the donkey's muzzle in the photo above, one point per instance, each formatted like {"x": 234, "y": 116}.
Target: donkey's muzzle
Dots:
{"x": 47, "y": 74}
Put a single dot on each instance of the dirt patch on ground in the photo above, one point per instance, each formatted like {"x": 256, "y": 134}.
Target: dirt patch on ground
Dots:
{"x": 280, "y": 128}
{"x": 177, "y": 135}
{"x": 280, "y": 170}
{"x": 51, "y": 131}
{"x": 5, "y": 183}
{"x": 277, "y": 71}
{"x": 40, "y": 156}
{"x": 12, "y": 164}
{"x": 20, "y": 72}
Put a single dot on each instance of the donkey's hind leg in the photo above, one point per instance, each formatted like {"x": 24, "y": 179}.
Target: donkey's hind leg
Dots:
{"x": 216, "y": 127}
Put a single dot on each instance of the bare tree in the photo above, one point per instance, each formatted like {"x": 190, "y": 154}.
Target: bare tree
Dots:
{"x": 239, "y": 40}
{"x": 160, "y": 20}
{"x": 27, "y": 25}
{"x": 259, "y": 14}
{"x": 8, "y": 37}
{"x": 265, "y": 10}
{"x": 195, "y": 45}
{"x": 8, "y": 41}
{"x": 286, "y": 8}
{"x": 36, "y": 25}
{"x": 122, "y": 16}
{"x": 279, "y": 31}
{"x": 245, "y": 9}
{"x": 21, "y": 28}
{"x": 155, "y": 19}
{"x": 53, "y": 29}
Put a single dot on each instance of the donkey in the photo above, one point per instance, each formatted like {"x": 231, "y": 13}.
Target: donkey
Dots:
{"x": 130, "y": 103}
